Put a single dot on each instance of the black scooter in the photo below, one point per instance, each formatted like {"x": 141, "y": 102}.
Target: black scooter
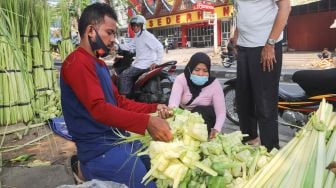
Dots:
{"x": 228, "y": 57}
{"x": 294, "y": 107}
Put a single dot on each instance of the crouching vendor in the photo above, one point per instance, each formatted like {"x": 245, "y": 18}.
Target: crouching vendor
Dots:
{"x": 93, "y": 109}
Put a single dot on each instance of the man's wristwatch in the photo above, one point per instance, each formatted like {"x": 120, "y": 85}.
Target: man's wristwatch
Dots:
{"x": 271, "y": 42}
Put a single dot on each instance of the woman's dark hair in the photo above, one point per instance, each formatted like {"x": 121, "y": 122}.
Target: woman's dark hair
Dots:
{"x": 94, "y": 14}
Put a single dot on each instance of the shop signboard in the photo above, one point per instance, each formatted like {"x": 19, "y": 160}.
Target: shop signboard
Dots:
{"x": 188, "y": 17}
{"x": 208, "y": 15}
{"x": 203, "y": 6}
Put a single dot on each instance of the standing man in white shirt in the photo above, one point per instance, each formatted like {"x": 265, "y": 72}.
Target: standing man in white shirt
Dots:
{"x": 149, "y": 54}
{"x": 260, "y": 24}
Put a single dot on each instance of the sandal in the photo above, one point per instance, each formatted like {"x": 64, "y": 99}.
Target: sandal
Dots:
{"x": 73, "y": 168}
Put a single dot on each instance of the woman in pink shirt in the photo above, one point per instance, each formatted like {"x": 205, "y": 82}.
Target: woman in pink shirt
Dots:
{"x": 197, "y": 91}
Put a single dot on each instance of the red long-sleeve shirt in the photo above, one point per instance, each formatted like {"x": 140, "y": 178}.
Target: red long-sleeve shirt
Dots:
{"x": 79, "y": 72}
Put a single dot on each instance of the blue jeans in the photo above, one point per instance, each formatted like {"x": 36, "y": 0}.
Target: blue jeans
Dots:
{"x": 120, "y": 165}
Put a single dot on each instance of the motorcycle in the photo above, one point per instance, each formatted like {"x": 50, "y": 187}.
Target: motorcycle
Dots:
{"x": 152, "y": 86}
{"x": 294, "y": 107}
{"x": 227, "y": 58}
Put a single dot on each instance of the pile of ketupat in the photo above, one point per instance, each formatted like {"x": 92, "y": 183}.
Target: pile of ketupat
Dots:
{"x": 303, "y": 161}
{"x": 308, "y": 160}
{"x": 190, "y": 160}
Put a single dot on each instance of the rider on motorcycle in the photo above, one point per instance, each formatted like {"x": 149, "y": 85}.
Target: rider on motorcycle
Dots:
{"x": 231, "y": 48}
{"x": 230, "y": 53}
{"x": 148, "y": 50}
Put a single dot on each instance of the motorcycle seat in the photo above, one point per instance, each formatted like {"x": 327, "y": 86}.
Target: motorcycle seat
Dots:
{"x": 316, "y": 82}
{"x": 293, "y": 94}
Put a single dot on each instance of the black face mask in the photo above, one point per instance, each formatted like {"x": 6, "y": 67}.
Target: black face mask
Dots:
{"x": 98, "y": 47}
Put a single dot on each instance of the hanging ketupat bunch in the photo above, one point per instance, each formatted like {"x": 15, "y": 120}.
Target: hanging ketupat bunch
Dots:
{"x": 190, "y": 160}
{"x": 66, "y": 44}
{"x": 15, "y": 98}
{"x": 49, "y": 95}
{"x": 39, "y": 76}
{"x": 29, "y": 90}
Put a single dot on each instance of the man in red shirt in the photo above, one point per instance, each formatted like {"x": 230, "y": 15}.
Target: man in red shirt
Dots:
{"x": 94, "y": 110}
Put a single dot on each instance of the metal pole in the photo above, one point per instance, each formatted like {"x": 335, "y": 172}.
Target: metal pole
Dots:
{"x": 215, "y": 33}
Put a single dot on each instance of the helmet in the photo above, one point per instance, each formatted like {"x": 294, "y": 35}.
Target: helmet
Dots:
{"x": 138, "y": 19}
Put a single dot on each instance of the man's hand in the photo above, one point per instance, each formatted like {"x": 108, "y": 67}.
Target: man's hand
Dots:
{"x": 268, "y": 58}
{"x": 159, "y": 129}
{"x": 164, "y": 111}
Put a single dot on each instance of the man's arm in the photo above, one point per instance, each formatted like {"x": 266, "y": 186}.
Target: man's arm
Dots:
{"x": 281, "y": 18}
{"x": 235, "y": 36}
{"x": 268, "y": 52}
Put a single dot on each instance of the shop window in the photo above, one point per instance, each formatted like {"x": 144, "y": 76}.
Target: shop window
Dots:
{"x": 225, "y": 30}
{"x": 200, "y": 36}
{"x": 173, "y": 34}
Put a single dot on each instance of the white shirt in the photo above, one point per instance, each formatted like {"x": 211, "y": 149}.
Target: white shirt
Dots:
{"x": 255, "y": 19}
{"x": 148, "y": 50}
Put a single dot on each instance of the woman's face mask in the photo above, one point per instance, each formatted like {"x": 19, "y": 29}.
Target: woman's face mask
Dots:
{"x": 199, "y": 80}
{"x": 200, "y": 74}
{"x": 98, "y": 47}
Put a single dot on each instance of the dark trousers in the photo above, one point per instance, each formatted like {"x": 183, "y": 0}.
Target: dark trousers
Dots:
{"x": 126, "y": 79}
{"x": 208, "y": 114}
{"x": 257, "y": 95}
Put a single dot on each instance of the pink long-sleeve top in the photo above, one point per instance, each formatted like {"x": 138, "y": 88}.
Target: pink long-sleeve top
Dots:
{"x": 210, "y": 95}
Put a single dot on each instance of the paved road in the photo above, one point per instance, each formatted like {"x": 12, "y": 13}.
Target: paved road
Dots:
{"x": 285, "y": 132}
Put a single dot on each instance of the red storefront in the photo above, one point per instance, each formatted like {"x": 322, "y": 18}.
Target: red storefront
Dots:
{"x": 307, "y": 29}
{"x": 185, "y": 24}
{"x": 309, "y": 26}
